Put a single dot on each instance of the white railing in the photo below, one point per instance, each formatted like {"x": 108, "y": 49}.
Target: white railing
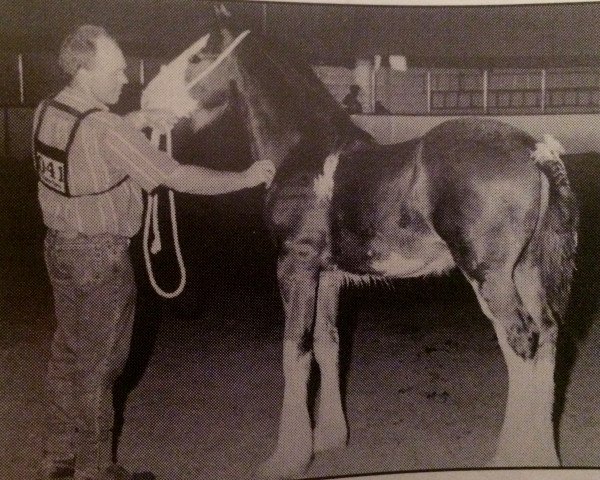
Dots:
{"x": 24, "y": 79}
{"x": 490, "y": 91}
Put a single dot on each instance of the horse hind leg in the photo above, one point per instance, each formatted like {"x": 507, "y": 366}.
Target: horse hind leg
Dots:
{"x": 514, "y": 302}
{"x": 330, "y": 429}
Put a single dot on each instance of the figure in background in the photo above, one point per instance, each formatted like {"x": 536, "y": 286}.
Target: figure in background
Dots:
{"x": 380, "y": 109}
{"x": 350, "y": 102}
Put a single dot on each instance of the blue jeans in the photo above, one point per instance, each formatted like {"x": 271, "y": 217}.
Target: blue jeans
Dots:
{"x": 94, "y": 299}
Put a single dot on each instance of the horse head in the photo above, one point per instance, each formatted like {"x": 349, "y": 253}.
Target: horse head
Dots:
{"x": 283, "y": 104}
{"x": 196, "y": 83}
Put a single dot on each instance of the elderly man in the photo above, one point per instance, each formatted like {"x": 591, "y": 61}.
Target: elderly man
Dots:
{"x": 93, "y": 166}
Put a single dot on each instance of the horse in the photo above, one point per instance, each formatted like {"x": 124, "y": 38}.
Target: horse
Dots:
{"x": 475, "y": 194}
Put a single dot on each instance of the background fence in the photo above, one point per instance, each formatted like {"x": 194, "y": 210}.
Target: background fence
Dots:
{"x": 468, "y": 91}
{"x": 25, "y": 79}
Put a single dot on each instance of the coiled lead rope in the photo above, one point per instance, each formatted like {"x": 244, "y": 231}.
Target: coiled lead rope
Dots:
{"x": 152, "y": 220}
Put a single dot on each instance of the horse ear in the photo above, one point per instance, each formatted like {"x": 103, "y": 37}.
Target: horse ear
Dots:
{"x": 221, "y": 12}
{"x": 224, "y": 24}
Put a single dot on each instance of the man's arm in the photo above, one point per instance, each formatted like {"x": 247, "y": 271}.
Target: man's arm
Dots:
{"x": 160, "y": 119}
{"x": 204, "y": 181}
{"x": 129, "y": 150}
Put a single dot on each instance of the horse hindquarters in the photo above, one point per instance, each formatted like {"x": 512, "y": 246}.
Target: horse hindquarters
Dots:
{"x": 543, "y": 278}
{"x": 527, "y": 307}
{"x": 511, "y": 230}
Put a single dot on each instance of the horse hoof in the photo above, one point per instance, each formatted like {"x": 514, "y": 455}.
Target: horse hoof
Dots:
{"x": 330, "y": 437}
{"x": 281, "y": 467}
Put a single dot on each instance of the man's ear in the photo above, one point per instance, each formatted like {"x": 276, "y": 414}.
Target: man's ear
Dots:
{"x": 82, "y": 75}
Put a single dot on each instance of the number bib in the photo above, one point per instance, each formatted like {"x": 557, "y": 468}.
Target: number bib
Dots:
{"x": 52, "y": 163}
{"x": 52, "y": 173}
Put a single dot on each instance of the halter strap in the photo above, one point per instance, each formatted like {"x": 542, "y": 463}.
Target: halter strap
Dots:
{"x": 222, "y": 56}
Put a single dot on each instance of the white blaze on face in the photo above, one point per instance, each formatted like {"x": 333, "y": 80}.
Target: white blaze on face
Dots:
{"x": 323, "y": 186}
{"x": 169, "y": 89}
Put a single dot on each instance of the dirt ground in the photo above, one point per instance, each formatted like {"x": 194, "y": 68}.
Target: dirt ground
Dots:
{"x": 426, "y": 389}
{"x": 426, "y": 384}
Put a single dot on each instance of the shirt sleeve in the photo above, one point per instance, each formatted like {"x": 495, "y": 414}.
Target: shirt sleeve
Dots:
{"x": 128, "y": 149}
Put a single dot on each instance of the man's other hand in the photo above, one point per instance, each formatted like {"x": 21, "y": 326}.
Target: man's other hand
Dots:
{"x": 259, "y": 172}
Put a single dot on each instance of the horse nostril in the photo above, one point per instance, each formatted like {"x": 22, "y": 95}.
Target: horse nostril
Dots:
{"x": 195, "y": 59}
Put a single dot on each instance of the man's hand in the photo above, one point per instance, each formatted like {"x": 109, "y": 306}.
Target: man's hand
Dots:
{"x": 163, "y": 120}
{"x": 203, "y": 117}
{"x": 259, "y": 172}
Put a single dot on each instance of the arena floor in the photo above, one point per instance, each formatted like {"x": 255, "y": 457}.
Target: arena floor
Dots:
{"x": 426, "y": 384}
{"x": 426, "y": 389}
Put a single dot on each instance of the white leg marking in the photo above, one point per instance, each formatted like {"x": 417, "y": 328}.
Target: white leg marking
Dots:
{"x": 323, "y": 186}
{"x": 294, "y": 444}
{"x": 527, "y": 435}
{"x": 331, "y": 430}
{"x": 330, "y": 425}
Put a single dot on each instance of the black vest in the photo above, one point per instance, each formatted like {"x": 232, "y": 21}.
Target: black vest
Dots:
{"x": 52, "y": 163}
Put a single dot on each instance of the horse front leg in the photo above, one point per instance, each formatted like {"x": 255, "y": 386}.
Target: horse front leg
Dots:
{"x": 293, "y": 453}
{"x": 331, "y": 430}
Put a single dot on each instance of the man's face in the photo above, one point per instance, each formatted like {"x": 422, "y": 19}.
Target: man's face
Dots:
{"x": 106, "y": 78}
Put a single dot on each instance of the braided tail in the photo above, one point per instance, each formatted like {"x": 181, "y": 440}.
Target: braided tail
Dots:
{"x": 559, "y": 229}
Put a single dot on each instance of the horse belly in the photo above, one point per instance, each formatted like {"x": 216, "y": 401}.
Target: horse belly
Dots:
{"x": 381, "y": 226}
{"x": 388, "y": 250}
{"x": 433, "y": 259}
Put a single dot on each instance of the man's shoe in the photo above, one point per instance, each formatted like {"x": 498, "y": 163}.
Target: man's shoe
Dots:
{"x": 116, "y": 472}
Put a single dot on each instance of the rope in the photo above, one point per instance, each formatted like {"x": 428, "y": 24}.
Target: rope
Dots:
{"x": 152, "y": 220}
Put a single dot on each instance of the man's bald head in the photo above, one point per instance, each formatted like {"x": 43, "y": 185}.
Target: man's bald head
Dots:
{"x": 94, "y": 61}
{"x": 78, "y": 50}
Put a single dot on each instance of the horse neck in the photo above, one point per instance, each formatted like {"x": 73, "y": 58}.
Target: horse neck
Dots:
{"x": 268, "y": 141}
{"x": 276, "y": 132}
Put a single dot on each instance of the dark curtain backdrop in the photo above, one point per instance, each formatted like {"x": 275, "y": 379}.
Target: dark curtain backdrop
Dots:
{"x": 536, "y": 35}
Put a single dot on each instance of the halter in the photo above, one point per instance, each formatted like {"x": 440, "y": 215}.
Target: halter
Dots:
{"x": 169, "y": 90}
{"x": 184, "y": 104}
{"x": 222, "y": 56}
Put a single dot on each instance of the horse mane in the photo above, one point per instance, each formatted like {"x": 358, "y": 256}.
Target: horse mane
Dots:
{"x": 296, "y": 97}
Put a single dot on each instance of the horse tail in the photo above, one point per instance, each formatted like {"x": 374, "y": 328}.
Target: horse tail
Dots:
{"x": 558, "y": 226}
